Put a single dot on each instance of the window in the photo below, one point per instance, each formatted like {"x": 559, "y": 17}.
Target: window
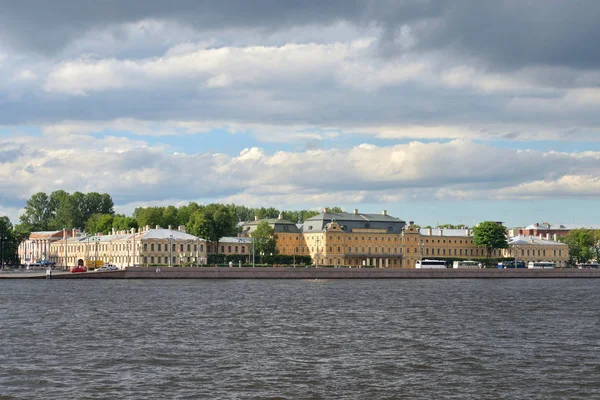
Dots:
{"x": 229, "y": 249}
{"x": 236, "y": 249}
{"x": 222, "y": 249}
{"x": 152, "y": 260}
{"x": 181, "y": 248}
{"x": 189, "y": 247}
{"x": 173, "y": 247}
{"x": 243, "y": 249}
{"x": 444, "y": 251}
{"x": 159, "y": 247}
{"x": 339, "y": 238}
{"x": 339, "y": 249}
{"x": 202, "y": 247}
{"x": 152, "y": 247}
{"x": 146, "y": 247}
{"x": 427, "y": 251}
{"x": 330, "y": 249}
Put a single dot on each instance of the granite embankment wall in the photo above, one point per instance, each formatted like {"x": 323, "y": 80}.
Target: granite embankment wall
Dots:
{"x": 328, "y": 273}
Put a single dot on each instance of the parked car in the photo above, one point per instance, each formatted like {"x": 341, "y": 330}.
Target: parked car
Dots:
{"x": 79, "y": 268}
{"x": 107, "y": 267}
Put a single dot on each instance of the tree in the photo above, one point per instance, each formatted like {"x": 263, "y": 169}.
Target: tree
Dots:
{"x": 213, "y": 222}
{"x": 491, "y": 235}
{"x": 264, "y": 239}
{"x": 582, "y": 246}
{"x": 124, "y": 223}
{"x": 99, "y": 223}
{"x": 38, "y": 214}
{"x": 8, "y": 244}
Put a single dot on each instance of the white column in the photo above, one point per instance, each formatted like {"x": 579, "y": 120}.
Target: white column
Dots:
{"x": 387, "y": 262}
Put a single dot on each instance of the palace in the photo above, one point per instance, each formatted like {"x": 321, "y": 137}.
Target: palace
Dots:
{"x": 330, "y": 239}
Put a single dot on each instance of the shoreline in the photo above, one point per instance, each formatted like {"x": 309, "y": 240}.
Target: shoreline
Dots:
{"x": 310, "y": 273}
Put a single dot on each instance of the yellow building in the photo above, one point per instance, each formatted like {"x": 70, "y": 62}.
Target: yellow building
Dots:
{"x": 340, "y": 239}
{"x": 458, "y": 244}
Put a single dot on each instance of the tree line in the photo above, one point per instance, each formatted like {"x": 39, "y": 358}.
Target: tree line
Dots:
{"x": 94, "y": 213}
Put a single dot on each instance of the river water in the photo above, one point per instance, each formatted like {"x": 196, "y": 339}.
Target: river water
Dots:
{"x": 268, "y": 339}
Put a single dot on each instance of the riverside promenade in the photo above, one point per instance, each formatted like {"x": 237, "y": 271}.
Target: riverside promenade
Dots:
{"x": 310, "y": 273}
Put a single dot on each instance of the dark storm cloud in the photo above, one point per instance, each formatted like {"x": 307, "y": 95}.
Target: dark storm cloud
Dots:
{"x": 504, "y": 34}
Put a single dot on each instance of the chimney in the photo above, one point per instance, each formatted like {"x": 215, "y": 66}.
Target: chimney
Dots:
{"x": 356, "y": 211}
{"x": 554, "y": 237}
{"x": 547, "y": 236}
{"x": 132, "y": 231}
{"x": 147, "y": 228}
{"x": 325, "y": 210}
{"x": 157, "y": 226}
{"x": 384, "y": 212}
{"x": 181, "y": 228}
{"x": 74, "y": 232}
{"x": 541, "y": 236}
{"x": 411, "y": 222}
{"x": 536, "y": 224}
{"x": 256, "y": 217}
{"x": 113, "y": 231}
{"x": 170, "y": 227}
{"x": 467, "y": 232}
{"x": 429, "y": 231}
{"x": 280, "y": 216}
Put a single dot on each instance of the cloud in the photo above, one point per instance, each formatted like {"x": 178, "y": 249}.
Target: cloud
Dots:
{"x": 131, "y": 170}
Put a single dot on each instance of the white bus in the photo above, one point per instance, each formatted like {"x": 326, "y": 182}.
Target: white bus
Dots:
{"x": 466, "y": 264}
{"x": 430, "y": 264}
{"x": 540, "y": 264}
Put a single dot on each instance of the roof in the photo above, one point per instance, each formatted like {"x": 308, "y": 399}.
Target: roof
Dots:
{"x": 529, "y": 240}
{"x": 151, "y": 234}
{"x": 279, "y": 225}
{"x": 559, "y": 227}
{"x": 243, "y": 240}
{"x": 166, "y": 234}
{"x": 350, "y": 221}
{"x": 46, "y": 234}
{"x": 446, "y": 232}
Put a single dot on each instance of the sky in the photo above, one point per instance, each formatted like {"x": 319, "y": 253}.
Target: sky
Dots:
{"x": 436, "y": 111}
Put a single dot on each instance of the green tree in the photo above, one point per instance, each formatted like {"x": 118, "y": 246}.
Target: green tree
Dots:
{"x": 491, "y": 235}
{"x": 582, "y": 246}
{"x": 213, "y": 222}
{"x": 264, "y": 239}
{"x": 123, "y": 223}
{"x": 99, "y": 223}
{"x": 39, "y": 212}
{"x": 149, "y": 216}
{"x": 8, "y": 243}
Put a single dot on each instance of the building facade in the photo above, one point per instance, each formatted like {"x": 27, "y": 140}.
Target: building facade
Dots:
{"x": 458, "y": 243}
{"x": 147, "y": 246}
{"x": 551, "y": 231}
{"x": 341, "y": 239}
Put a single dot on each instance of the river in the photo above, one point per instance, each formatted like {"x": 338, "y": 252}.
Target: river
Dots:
{"x": 294, "y": 339}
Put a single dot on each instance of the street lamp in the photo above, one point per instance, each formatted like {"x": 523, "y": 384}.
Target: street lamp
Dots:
{"x": 170, "y": 251}
{"x": 97, "y": 240}
{"x": 3, "y": 238}
{"x": 317, "y": 256}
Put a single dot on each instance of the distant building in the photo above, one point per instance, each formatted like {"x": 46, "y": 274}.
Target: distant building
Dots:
{"x": 130, "y": 248}
{"x": 548, "y": 231}
{"x": 535, "y": 248}
{"x": 340, "y": 239}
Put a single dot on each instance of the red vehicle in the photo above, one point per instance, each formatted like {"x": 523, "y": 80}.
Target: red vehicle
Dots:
{"x": 79, "y": 268}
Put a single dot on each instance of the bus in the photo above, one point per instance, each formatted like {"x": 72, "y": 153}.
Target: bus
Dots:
{"x": 511, "y": 264}
{"x": 430, "y": 264}
{"x": 540, "y": 264}
{"x": 466, "y": 264}
{"x": 588, "y": 265}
